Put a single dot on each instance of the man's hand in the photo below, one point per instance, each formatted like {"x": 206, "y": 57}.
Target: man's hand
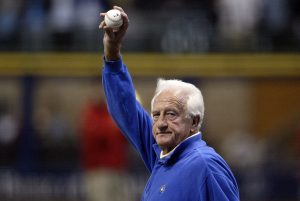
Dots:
{"x": 112, "y": 39}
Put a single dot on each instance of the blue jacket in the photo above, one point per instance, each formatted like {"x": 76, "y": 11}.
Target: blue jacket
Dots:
{"x": 192, "y": 172}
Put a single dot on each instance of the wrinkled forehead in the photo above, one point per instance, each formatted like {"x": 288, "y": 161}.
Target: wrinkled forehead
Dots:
{"x": 168, "y": 97}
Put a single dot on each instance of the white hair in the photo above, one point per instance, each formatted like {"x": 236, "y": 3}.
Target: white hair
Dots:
{"x": 194, "y": 104}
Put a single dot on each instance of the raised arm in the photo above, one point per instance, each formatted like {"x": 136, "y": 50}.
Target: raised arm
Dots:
{"x": 131, "y": 118}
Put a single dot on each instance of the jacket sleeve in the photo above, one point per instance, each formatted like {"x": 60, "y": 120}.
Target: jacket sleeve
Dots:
{"x": 134, "y": 122}
{"x": 218, "y": 187}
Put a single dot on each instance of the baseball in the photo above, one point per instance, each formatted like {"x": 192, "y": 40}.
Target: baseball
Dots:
{"x": 113, "y": 19}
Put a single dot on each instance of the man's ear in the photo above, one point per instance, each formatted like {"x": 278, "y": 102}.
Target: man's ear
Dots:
{"x": 195, "y": 123}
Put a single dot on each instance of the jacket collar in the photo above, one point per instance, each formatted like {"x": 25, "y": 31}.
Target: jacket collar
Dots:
{"x": 183, "y": 148}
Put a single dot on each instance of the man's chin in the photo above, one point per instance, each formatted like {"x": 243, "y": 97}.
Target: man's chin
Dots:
{"x": 163, "y": 139}
{"x": 163, "y": 143}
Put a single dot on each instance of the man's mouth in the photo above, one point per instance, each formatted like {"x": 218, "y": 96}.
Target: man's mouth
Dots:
{"x": 164, "y": 133}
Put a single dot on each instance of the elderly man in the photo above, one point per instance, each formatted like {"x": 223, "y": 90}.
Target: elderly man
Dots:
{"x": 182, "y": 166}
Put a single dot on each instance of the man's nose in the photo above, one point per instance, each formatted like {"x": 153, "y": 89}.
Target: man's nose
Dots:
{"x": 162, "y": 123}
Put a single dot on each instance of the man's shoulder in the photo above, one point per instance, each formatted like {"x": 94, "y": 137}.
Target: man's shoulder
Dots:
{"x": 207, "y": 158}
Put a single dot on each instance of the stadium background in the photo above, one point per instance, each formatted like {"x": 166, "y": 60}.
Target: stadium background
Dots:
{"x": 243, "y": 55}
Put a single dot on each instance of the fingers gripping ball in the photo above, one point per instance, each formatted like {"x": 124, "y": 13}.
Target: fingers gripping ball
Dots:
{"x": 113, "y": 19}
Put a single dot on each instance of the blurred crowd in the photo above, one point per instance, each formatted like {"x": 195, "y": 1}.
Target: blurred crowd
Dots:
{"x": 45, "y": 155}
{"x": 46, "y": 158}
{"x": 166, "y": 26}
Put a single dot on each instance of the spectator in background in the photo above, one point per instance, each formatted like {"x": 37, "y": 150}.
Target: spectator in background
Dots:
{"x": 249, "y": 171}
{"x": 281, "y": 162}
{"x": 10, "y": 11}
{"x": 86, "y": 11}
{"x": 57, "y": 148}
{"x": 86, "y": 23}
{"x": 277, "y": 24}
{"x": 103, "y": 152}
{"x": 61, "y": 23}
{"x": 295, "y": 15}
{"x": 34, "y": 26}
{"x": 8, "y": 135}
{"x": 237, "y": 22}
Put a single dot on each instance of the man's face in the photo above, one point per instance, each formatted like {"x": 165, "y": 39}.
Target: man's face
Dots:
{"x": 171, "y": 124}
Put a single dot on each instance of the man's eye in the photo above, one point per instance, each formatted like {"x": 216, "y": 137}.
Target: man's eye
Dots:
{"x": 155, "y": 116}
{"x": 171, "y": 114}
